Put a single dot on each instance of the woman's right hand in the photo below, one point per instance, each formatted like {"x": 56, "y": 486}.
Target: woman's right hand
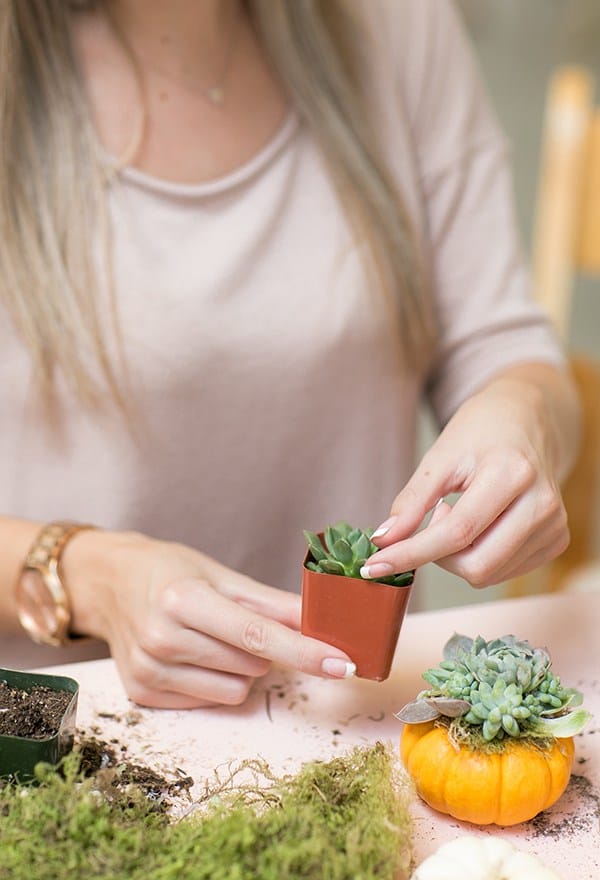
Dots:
{"x": 184, "y": 630}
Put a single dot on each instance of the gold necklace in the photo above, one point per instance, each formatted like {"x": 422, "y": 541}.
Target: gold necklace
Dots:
{"x": 215, "y": 93}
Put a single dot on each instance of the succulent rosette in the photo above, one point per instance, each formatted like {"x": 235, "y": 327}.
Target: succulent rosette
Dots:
{"x": 344, "y": 550}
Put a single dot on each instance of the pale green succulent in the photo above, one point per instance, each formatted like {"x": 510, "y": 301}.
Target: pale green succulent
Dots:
{"x": 345, "y": 551}
{"x": 504, "y": 687}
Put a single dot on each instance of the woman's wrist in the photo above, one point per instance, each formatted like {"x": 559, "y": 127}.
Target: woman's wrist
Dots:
{"x": 550, "y": 399}
{"x": 93, "y": 565}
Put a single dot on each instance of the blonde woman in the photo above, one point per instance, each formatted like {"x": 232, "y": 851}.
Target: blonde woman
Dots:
{"x": 240, "y": 242}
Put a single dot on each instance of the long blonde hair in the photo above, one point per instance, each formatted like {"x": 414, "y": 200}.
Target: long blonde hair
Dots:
{"x": 52, "y": 188}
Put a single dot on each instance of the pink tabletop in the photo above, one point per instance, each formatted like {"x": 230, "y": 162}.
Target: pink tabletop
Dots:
{"x": 290, "y": 718}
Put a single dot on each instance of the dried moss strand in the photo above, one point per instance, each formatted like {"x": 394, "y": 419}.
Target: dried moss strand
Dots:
{"x": 460, "y": 733}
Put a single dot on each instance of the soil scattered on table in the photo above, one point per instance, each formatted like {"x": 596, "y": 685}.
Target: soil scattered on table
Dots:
{"x": 130, "y": 718}
{"x": 581, "y": 801}
{"x": 34, "y": 714}
{"x": 115, "y": 775}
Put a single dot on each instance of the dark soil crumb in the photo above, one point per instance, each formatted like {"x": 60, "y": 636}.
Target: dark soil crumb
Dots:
{"x": 130, "y": 718}
{"x": 34, "y": 714}
{"x": 115, "y": 774}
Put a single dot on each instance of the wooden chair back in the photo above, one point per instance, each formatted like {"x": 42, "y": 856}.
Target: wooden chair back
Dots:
{"x": 566, "y": 243}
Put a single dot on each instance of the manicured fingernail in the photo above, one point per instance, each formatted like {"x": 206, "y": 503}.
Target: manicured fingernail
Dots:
{"x": 376, "y": 570}
{"x": 384, "y": 527}
{"x": 338, "y": 668}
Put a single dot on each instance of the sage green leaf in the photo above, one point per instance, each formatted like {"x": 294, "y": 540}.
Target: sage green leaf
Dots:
{"x": 330, "y": 566}
{"x": 331, "y": 536}
{"x": 436, "y": 676}
{"x": 572, "y": 697}
{"x": 342, "y": 551}
{"x": 362, "y": 547}
{"x": 417, "y": 712}
{"x": 449, "y": 708}
{"x": 521, "y": 712}
{"x": 510, "y": 725}
{"x": 523, "y": 676}
{"x": 396, "y": 580}
{"x": 315, "y": 546}
{"x": 405, "y": 579}
{"x": 495, "y": 715}
{"x": 498, "y": 690}
{"x": 485, "y": 695}
{"x": 343, "y": 529}
{"x": 567, "y": 725}
{"x": 489, "y": 730}
{"x": 456, "y": 646}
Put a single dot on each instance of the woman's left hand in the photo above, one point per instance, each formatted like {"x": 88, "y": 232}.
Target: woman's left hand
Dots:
{"x": 504, "y": 452}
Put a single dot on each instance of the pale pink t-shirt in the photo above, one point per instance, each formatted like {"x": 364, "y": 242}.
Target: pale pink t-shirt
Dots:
{"x": 263, "y": 363}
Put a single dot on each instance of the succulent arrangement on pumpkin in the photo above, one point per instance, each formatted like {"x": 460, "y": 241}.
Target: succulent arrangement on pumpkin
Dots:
{"x": 491, "y": 740}
{"x": 361, "y": 616}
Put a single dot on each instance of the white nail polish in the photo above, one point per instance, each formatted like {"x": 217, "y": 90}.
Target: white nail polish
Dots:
{"x": 350, "y": 671}
{"x": 384, "y": 527}
{"x": 338, "y": 668}
{"x": 376, "y": 570}
{"x": 382, "y": 530}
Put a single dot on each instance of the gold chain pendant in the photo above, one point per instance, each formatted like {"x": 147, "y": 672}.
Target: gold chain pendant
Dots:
{"x": 216, "y": 95}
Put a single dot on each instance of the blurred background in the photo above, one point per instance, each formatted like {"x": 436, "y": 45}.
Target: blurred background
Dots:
{"x": 518, "y": 44}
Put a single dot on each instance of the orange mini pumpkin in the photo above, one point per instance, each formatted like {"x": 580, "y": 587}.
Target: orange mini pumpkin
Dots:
{"x": 492, "y": 740}
{"x": 505, "y": 787}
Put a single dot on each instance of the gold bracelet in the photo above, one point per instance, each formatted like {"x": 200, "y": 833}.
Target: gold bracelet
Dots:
{"x": 43, "y": 606}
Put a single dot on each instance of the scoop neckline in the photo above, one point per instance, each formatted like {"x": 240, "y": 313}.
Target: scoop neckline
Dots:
{"x": 210, "y": 187}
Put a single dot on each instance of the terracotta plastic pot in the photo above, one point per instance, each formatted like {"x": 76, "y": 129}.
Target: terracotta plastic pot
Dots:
{"x": 19, "y": 755}
{"x": 361, "y": 617}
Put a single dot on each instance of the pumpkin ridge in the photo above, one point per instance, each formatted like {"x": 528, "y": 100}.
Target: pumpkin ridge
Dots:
{"x": 524, "y": 783}
{"x": 559, "y": 763}
{"x": 500, "y": 789}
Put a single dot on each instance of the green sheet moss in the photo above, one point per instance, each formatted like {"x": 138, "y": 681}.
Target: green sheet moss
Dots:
{"x": 338, "y": 820}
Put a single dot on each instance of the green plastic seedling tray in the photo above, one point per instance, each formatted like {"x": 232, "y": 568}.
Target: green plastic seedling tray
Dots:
{"x": 19, "y": 755}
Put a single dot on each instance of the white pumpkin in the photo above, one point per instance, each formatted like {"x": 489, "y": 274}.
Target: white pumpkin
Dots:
{"x": 482, "y": 858}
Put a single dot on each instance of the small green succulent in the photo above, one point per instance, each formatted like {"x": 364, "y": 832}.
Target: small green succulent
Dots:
{"x": 345, "y": 551}
{"x": 503, "y": 687}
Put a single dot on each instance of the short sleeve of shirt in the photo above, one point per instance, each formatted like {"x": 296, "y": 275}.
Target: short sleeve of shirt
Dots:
{"x": 487, "y": 318}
